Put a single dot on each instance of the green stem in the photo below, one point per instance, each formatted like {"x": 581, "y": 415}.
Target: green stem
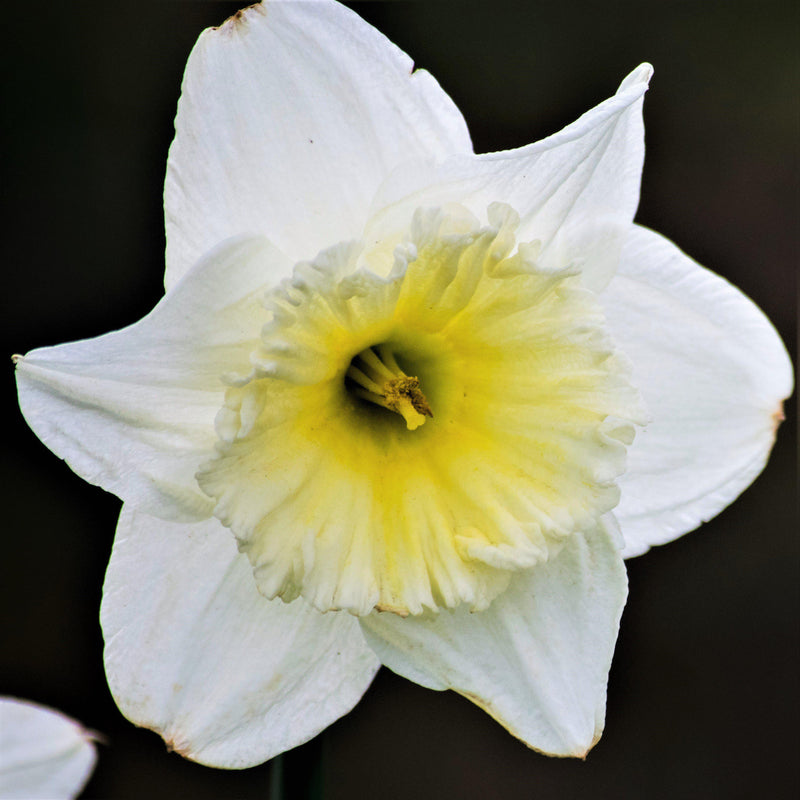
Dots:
{"x": 300, "y": 773}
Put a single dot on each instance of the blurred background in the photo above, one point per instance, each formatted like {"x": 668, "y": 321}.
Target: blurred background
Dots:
{"x": 703, "y": 694}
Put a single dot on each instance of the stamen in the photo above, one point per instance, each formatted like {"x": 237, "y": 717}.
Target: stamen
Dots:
{"x": 380, "y": 380}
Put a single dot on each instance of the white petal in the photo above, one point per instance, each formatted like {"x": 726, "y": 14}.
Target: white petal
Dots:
{"x": 575, "y": 191}
{"x": 228, "y": 678}
{"x": 43, "y": 754}
{"x": 713, "y": 373}
{"x": 133, "y": 411}
{"x": 538, "y": 659}
{"x": 291, "y": 115}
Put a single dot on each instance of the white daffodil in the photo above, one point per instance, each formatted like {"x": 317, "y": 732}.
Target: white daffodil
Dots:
{"x": 44, "y": 755}
{"x": 400, "y": 404}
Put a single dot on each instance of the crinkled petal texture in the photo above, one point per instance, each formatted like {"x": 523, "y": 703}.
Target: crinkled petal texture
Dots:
{"x": 576, "y": 191}
{"x": 537, "y": 660}
{"x": 712, "y": 371}
{"x": 291, "y": 114}
{"x": 194, "y": 652}
{"x": 133, "y": 411}
{"x": 337, "y": 500}
{"x": 44, "y": 755}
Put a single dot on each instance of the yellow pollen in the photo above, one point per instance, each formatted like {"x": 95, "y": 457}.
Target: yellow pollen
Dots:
{"x": 380, "y": 380}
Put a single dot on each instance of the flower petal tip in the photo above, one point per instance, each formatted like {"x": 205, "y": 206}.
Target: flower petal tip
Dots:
{"x": 578, "y": 751}
{"x": 92, "y": 736}
{"x": 640, "y": 77}
{"x": 240, "y": 18}
{"x": 778, "y": 416}
{"x": 175, "y": 744}
{"x": 582, "y": 753}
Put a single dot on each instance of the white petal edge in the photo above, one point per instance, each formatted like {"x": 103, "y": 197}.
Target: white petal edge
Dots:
{"x": 291, "y": 114}
{"x": 194, "y": 652}
{"x": 44, "y": 755}
{"x": 575, "y": 191}
{"x": 537, "y": 660}
{"x": 713, "y": 373}
{"x": 133, "y": 411}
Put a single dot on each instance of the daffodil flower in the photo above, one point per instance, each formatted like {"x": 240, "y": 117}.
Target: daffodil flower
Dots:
{"x": 401, "y": 404}
{"x": 44, "y": 755}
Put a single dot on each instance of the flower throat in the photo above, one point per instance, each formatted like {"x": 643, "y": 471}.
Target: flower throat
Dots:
{"x": 375, "y": 375}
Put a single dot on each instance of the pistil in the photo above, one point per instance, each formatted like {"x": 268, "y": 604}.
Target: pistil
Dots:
{"x": 378, "y": 378}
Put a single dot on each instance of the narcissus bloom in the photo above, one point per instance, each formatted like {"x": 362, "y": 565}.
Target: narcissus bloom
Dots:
{"x": 44, "y": 755}
{"x": 400, "y": 403}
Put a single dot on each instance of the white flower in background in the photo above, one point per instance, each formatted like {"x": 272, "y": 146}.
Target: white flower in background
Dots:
{"x": 432, "y": 397}
{"x": 44, "y": 755}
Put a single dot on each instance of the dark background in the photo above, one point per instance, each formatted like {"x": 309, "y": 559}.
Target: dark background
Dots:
{"x": 703, "y": 694}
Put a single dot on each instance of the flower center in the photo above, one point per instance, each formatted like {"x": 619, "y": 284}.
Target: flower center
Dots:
{"x": 331, "y": 498}
{"x": 375, "y": 375}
